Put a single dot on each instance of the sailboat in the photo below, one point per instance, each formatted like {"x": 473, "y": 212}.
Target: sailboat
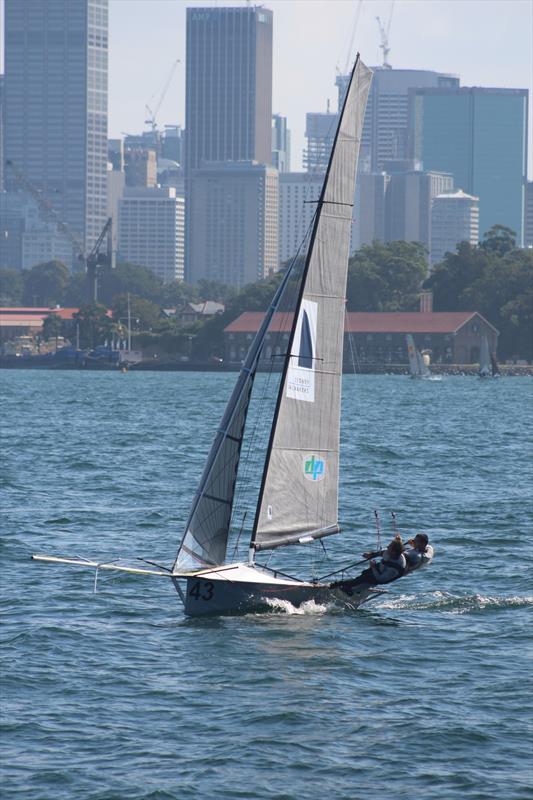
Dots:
{"x": 488, "y": 366}
{"x": 418, "y": 368}
{"x": 298, "y": 493}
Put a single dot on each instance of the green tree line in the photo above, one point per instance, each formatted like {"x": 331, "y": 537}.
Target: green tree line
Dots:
{"x": 494, "y": 278}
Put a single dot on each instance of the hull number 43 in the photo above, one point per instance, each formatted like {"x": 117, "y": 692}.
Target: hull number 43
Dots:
{"x": 201, "y": 590}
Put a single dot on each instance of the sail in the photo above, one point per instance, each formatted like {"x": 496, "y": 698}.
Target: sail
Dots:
{"x": 205, "y": 540}
{"x": 424, "y": 370}
{"x": 484, "y": 358}
{"x": 412, "y": 352}
{"x": 298, "y": 499}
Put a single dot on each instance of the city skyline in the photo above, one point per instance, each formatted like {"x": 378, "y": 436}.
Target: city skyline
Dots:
{"x": 487, "y": 44}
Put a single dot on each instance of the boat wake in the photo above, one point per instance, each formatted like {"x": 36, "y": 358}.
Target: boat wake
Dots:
{"x": 454, "y": 604}
{"x": 309, "y": 607}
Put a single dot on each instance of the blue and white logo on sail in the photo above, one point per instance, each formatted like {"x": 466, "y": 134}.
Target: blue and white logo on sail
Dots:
{"x": 301, "y": 372}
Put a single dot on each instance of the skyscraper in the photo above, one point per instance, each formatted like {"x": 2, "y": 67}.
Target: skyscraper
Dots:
{"x": 228, "y": 85}
{"x": 281, "y": 144}
{"x": 454, "y": 219}
{"x": 228, "y": 119}
{"x": 479, "y": 135}
{"x": 56, "y": 106}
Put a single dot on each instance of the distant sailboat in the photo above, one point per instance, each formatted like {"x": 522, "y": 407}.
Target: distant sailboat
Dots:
{"x": 298, "y": 493}
{"x": 488, "y": 366}
{"x": 418, "y": 368}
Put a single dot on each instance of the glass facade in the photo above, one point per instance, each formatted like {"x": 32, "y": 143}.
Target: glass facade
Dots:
{"x": 56, "y": 106}
{"x": 480, "y": 136}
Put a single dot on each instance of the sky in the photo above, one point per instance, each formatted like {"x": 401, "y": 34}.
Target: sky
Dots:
{"x": 485, "y": 42}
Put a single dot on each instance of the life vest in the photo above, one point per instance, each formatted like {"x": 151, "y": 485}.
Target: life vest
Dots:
{"x": 395, "y": 566}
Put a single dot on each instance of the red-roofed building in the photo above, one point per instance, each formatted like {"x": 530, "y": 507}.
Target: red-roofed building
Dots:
{"x": 15, "y": 322}
{"x": 450, "y": 337}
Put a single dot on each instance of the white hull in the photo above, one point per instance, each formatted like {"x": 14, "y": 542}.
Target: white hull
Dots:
{"x": 243, "y": 588}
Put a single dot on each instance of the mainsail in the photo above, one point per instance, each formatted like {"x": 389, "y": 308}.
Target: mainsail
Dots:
{"x": 485, "y": 369}
{"x": 299, "y": 493}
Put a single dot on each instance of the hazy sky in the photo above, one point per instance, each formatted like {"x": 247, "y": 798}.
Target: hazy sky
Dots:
{"x": 485, "y": 42}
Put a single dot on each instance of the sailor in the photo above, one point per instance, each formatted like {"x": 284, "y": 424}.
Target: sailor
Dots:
{"x": 420, "y": 554}
{"x": 391, "y": 567}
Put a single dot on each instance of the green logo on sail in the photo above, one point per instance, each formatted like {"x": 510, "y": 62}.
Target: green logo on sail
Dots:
{"x": 314, "y": 468}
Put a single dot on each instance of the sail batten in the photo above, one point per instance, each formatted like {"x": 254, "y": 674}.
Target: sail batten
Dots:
{"x": 299, "y": 488}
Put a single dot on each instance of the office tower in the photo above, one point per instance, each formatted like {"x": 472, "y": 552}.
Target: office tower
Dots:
{"x": 27, "y": 236}
{"x": 140, "y": 166}
{"x": 319, "y": 131}
{"x": 56, "y": 106}
{"x": 454, "y": 219}
{"x": 528, "y": 215}
{"x": 151, "y": 231}
{"x": 371, "y": 192}
{"x": 410, "y": 194}
{"x": 281, "y": 144}
{"x": 237, "y": 242}
{"x": 479, "y": 135}
{"x": 385, "y": 130}
{"x": 172, "y": 143}
{"x": 115, "y": 154}
{"x": 228, "y": 114}
{"x": 297, "y": 191}
{"x": 2, "y": 157}
{"x": 228, "y": 85}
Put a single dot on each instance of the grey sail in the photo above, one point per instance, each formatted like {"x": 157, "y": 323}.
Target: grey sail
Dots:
{"x": 205, "y": 540}
{"x": 299, "y": 494}
{"x": 412, "y": 352}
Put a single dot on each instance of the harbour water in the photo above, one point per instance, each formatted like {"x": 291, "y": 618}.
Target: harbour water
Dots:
{"x": 115, "y": 695}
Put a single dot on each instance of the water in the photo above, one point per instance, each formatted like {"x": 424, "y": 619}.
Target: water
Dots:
{"x": 115, "y": 695}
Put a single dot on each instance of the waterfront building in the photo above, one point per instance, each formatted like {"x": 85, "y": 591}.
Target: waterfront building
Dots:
{"x": 281, "y": 144}
{"x": 378, "y": 338}
{"x": 238, "y": 240}
{"x": 454, "y": 219}
{"x": 55, "y": 115}
{"x": 478, "y": 135}
{"x": 151, "y": 231}
{"x": 297, "y": 193}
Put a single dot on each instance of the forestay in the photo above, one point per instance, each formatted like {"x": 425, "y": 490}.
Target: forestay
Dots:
{"x": 299, "y": 495}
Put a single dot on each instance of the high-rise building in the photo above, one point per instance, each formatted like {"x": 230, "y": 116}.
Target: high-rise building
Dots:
{"x": 228, "y": 119}
{"x": 320, "y": 132}
{"x": 297, "y": 193}
{"x": 454, "y": 219}
{"x": 370, "y": 198}
{"x": 410, "y": 194}
{"x": 281, "y": 144}
{"x": 140, "y": 166}
{"x": 151, "y": 231}
{"x": 480, "y": 136}
{"x": 56, "y": 106}
{"x": 2, "y": 158}
{"x": 528, "y": 215}
{"x": 238, "y": 240}
{"x": 228, "y": 85}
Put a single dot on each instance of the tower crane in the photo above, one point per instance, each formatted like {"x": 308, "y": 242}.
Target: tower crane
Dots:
{"x": 92, "y": 260}
{"x": 384, "y": 33}
{"x": 152, "y": 115}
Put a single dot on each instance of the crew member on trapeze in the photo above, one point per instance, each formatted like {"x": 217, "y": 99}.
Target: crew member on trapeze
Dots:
{"x": 395, "y": 563}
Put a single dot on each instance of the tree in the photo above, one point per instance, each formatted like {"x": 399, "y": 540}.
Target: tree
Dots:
{"x": 143, "y": 313}
{"x": 386, "y": 276}
{"x": 499, "y": 240}
{"x": 455, "y": 274}
{"x": 94, "y": 324}
{"x": 11, "y": 286}
{"x": 129, "y": 278}
{"x": 45, "y": 284}
{"x": 52, "y": 327}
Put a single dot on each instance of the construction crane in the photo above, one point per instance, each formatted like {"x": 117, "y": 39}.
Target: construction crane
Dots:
{"x": 152, "y": 115}
{"x": 95, "y": 258}
{"x": 384, "y": 33}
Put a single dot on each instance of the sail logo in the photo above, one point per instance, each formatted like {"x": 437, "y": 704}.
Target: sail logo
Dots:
{"x": 314, "y": 468}
{"x": 301, "y": 372}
